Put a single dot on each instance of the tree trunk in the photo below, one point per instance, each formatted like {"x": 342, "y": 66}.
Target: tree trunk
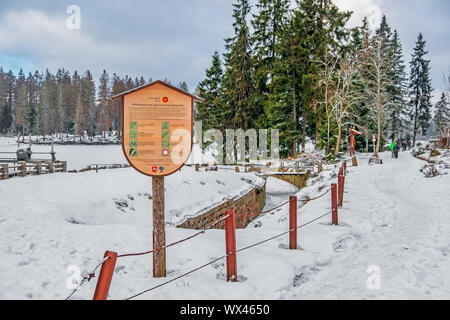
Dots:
{"x": 377, "y": 149}
{"x": 294, "y": 143}
{"x": 304, "y": 131}
{"x": 338, "y": 141}
{"x": 415, "y": 127}
{"x": 328, "y": 133}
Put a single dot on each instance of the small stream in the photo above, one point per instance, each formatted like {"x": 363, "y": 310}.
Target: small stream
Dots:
{"x": 277, "y": 192}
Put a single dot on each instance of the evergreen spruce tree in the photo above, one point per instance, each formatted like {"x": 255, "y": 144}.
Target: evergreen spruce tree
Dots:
{"x": 20, "y": 103}
{"x": 397, "y": 90}
{"x": 211, "y": 110}
{"x": 238, "y": 79}
{"x": 118, "y": 86}
{"x": 442, "y": 114}
{"x": 268, "y": 24}
{"x": 183, "y": 86}
{"x": 46, "y": 105}
{"x": 321, "y": 35}
{"x": 89, "y": 108}
{"x": 104, "y": 103}
{"x": 420, "y": 89}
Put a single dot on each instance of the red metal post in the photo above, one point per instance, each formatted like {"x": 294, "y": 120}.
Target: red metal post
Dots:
{"x": 293, "y": 223}
{"x": 334, "y": 204}
{"x": 344, "y": 165}
{"x": 230, "y": 238}
{"x": 105, "y": 277}
{"x": 340, "y": 186}
{"x": 343, "y": 187}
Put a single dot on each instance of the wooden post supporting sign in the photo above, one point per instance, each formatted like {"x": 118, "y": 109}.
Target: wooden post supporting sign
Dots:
{"x": 159, "y": 237}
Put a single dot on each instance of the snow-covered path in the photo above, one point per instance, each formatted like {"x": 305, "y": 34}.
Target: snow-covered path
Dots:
{"x": 400, "y": 223}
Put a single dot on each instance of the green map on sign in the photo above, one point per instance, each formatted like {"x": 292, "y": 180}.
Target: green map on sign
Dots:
{"x": 165, "y": 125}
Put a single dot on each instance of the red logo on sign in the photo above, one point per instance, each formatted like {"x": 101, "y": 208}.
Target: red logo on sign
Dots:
{"x": 165, "y": 152}
{"x": 154, "y": 169}
{"x": 165, "y": 99}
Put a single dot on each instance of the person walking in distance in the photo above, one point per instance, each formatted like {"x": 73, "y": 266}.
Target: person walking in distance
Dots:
{"x": 396, "y": 149}
{"x": 392, "y": 146}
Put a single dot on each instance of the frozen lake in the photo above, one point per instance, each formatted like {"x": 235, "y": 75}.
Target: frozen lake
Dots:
{"x": 81, "y": 156}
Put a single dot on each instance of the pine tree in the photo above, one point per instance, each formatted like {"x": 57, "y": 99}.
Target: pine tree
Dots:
{"x": 442, "y": 114}
{"x": 33, "y": 83}
{"x": 20, "y": 103}
{"x": 104, "y": 105}
{"x": 320, "y": 35}
{"x": 118, "y": 86}
{"x": 376, "y": 71}
{"x": 211, "y": 110}
{"x": 398, "y": 90}
{"x": 46, "y": 105}
{"x": 420, "y": 89}
{"x": 268, "y": 24}
{"x": 238, "y": 79}
{"x": 89, "y": 109}
{"x": 183, "y": 86}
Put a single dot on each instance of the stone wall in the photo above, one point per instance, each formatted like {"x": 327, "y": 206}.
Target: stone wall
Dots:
{"x": 298, "y": 180}
{"x": 247, "y": 208}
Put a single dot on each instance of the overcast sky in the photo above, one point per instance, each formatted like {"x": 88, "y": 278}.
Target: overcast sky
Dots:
{"x": 175, "y": 39}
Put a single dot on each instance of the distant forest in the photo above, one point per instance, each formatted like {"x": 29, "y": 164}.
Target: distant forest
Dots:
{"x": 63, "y": 103}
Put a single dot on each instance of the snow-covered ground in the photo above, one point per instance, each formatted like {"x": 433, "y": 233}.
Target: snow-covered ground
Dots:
{"x": 393, "y": 218}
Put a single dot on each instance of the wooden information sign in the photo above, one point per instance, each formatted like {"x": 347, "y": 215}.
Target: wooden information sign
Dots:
{"x": 157, "y": 131}
{"x": 157, "y": 121}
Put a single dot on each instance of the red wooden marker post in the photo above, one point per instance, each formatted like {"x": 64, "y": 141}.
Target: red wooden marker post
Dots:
{"x": 340, "y": 186}
{"x": 105, "y": 277}
{"x": 230, "y": 238}
{"x": 293, "y": 223}
{"x": 334, "y": 204}
{"x": 343, "y": 184}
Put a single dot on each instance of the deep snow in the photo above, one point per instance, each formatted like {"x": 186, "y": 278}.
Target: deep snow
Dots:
{"x": 393, "y": 218}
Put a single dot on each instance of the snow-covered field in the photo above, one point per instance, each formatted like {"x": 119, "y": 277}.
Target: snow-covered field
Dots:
{"x": 394, "y": 220}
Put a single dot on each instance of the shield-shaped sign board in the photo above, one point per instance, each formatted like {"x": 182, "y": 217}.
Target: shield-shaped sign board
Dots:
{"x": 157, "y": 125}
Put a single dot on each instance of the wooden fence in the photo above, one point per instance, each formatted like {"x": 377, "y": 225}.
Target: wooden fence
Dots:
{"x": 22, "y": 169}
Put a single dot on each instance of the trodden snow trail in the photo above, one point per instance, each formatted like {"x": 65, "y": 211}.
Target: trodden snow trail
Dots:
{"x": 400, "y": 223}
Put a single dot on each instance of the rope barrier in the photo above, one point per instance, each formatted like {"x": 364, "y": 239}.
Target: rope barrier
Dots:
{"x": 279, "y": 206}
{"x": 176, "y": 278}
{"x": 215, "y": 260}
{"x": 91, "y": 275}
{"x": 312, "y": 199}
{"x": 86, "y": 278}
{"x": 300, "y": 200}
{"x": 174, "y": 243}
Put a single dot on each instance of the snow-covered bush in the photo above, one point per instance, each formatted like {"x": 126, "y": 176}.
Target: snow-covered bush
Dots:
{"x": 431, "y": 171}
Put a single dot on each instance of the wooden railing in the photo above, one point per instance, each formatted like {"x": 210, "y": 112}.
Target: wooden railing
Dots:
{"x": 22, "y": 169}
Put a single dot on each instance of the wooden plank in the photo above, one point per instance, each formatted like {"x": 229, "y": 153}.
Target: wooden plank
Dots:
{"x": 159, "y": 237}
